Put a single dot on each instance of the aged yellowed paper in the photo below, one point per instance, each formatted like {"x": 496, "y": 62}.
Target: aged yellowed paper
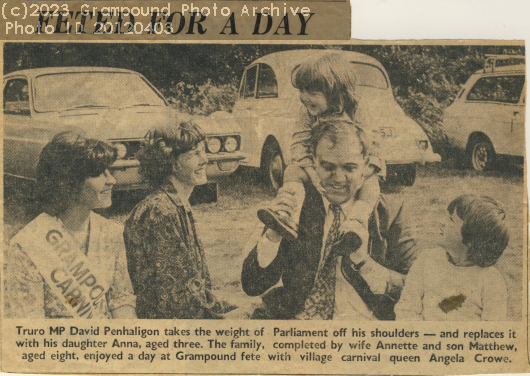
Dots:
{"x": 403, "y": 200}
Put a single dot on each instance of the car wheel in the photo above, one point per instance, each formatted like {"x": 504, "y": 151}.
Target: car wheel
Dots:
{"x": 481, "y": 156}
{"x": 272, "y": 166}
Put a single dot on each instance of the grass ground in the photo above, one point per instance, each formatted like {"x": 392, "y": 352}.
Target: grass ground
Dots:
{"x": 226, "y": 226}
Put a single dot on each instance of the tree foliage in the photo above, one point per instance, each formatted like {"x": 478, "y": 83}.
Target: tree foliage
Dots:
{"x": 203, "y": 78}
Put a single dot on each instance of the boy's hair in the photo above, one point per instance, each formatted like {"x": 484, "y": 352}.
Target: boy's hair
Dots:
{"x": 484, "y": 230}
{"x": 334, "y": 129}
{"x": 162, "y": 147}
{"x": 332, "y": 75}
{"x": 64, "y": 164}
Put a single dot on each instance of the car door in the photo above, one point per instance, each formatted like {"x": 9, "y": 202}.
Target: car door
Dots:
{"x": 245, "y": 114}
{"x": 22, "y": 134}
{"x": 517, "y": 126}
{"x": 258, "y": 110}
{"x": 492, "y": 104}
{"x": 274, "y": 114}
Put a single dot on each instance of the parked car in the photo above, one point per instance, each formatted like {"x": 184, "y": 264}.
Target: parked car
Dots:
{"x": 118, "y": 105}
{"x": 268, "y": 106}
{"x": 487, "y": 117}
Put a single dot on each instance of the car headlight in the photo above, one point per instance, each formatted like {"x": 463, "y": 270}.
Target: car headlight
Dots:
{"x": 214, "y": 145}
{"x": 122, "y": 150}
{"x": 230, "y": 144}
{"x": 422, "y": 144}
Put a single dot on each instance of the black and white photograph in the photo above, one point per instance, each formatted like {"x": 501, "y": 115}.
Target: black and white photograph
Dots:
{"x": 356, "y": 182}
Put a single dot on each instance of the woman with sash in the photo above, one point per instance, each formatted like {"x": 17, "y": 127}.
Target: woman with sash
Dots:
{"x": 166, "y": 260}
{"x": 70, "y": 262}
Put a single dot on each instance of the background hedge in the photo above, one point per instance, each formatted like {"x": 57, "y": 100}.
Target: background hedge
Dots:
{"x": 204, "y": 78}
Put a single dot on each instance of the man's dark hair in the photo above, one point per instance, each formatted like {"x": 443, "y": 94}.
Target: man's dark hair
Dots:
{"x": 162, "y": 147}
{"x": 334, "y": 129}
{"x": 64, "y": 164}
{"x": 484, "y": 230}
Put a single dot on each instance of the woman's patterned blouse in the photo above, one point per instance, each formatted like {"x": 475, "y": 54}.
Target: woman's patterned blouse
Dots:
{"x": 166, "y": 261}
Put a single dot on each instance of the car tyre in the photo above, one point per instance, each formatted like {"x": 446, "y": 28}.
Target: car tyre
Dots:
{"x": 272, "y": 165}
{"x": 481, "y": 155}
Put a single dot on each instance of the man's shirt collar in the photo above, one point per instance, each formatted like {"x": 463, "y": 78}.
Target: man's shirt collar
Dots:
{"x": 345, "y": 207}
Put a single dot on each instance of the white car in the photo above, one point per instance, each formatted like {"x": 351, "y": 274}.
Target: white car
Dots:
{"x": 118, "y": 105}
{"x": 487, "y": 117}
{"x": 267, "y": 109}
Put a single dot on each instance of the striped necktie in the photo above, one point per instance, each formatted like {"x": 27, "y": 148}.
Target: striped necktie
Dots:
{"x": 320, "y": 303}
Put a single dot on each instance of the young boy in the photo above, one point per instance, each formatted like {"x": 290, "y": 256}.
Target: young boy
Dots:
{"x": 458, "y": 281}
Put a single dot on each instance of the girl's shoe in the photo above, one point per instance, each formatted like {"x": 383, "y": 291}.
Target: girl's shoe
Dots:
{"x": 283, "y": 224}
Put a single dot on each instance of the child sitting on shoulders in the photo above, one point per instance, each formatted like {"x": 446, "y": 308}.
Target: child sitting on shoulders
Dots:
{"x": 327, "y": 90}
{"x": 459, "y": 282}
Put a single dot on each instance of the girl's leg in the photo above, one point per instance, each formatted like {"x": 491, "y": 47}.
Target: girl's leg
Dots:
{"x": 355, "y": 227}
{"x": 366, "y": 200}
{"x": 284, "y": 224}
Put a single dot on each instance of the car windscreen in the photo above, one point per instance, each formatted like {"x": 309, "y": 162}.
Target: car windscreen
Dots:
{"x": 369, "y": 75}
{"x": 71, "y": 90}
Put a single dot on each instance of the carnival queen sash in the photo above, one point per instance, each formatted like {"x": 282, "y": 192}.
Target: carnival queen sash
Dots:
{"x": 65, "y": 269}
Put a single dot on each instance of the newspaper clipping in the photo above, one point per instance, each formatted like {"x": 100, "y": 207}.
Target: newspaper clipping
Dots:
{"x": 217, "y": 192}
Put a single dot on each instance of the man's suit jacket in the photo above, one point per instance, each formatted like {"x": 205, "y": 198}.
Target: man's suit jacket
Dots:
{"x": 390, "y": 244}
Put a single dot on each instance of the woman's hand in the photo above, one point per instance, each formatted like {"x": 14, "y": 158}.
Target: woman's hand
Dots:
{"x": 124, "y": 312}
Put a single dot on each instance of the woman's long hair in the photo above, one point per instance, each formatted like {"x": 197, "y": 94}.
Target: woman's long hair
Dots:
{"x": 64, "y": 164}
{"x": 162, "y": 147}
